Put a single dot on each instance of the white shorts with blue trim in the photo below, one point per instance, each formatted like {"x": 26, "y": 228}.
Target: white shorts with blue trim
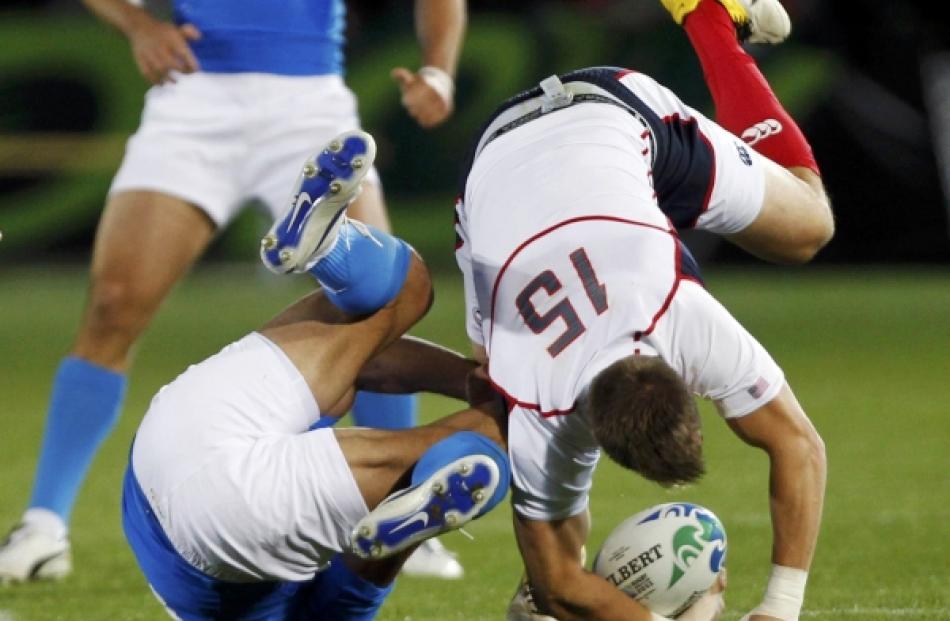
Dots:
{"x": 240, "y": 486}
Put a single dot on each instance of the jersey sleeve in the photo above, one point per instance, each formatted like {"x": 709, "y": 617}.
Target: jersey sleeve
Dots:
{"x": 738, "y": 191}
{"x": 551, "y": 475}
{"x": 463, "y": 256}
{"x": 717, "y": 357}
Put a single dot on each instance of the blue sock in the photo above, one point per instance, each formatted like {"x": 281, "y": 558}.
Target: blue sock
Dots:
{"x": 83, "y": 409}
{"x": 382, "y": 411}
{"x": 363, "y": 273}
{"x": 338, "y": 594}
{"x": 459, "y": 445}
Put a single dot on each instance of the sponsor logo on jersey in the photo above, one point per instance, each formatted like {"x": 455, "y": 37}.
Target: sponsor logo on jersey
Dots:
{"x": 761, "y": 130}
{"x": 744, "y": 156}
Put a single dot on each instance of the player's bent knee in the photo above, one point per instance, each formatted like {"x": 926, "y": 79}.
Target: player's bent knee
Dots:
{"x": 374, "y": 284}
{"x": 417, "y": 291}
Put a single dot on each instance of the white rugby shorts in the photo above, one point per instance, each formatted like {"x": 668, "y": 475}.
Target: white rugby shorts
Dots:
{"x": 242, "y": 489}
{"x": 219, "y": 140}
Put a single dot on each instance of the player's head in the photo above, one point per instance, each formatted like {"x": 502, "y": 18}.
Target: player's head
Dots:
{"x": 645, "y": 419}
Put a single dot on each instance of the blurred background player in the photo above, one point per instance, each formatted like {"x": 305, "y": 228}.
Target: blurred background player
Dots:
{"x": 588, "y": 176}
{"x": 242, "y": 92}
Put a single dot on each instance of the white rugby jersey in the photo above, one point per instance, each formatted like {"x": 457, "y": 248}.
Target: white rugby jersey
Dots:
{"x": 569, "y": 264}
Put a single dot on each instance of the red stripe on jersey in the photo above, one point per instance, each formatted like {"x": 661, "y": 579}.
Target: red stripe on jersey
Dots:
{"x": 512, "y": 401}
{"x": 669, "y": 298}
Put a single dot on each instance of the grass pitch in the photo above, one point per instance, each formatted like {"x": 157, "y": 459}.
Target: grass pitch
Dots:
{"x": 867, "y": 353}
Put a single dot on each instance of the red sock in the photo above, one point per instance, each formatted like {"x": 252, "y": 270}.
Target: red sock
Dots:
{"x": 745, "y": 103}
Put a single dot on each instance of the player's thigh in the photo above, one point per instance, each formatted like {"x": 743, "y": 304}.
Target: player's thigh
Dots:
{"x": 144, "y": 244}
{"x": 329, "y": 347}
{"x": 146, "y": 241}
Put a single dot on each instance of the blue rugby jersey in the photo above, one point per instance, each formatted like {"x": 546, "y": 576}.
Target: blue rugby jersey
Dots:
{"x": 285, "y": 37}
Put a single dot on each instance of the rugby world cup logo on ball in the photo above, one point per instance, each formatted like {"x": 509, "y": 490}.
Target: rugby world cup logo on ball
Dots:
{"x": 666, "y": 556}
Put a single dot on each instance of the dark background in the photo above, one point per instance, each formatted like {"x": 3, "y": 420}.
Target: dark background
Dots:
{"x": 856, "y": 77}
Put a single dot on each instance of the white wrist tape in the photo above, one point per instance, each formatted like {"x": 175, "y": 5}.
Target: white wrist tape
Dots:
{"x": 656, "y": 617}
{"x": 784, "y": 594}
{"x": 440, "y": 81}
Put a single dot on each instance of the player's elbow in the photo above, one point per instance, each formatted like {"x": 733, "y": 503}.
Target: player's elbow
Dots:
{"x": 816, "y": 236}
{"x": 814, "y": 233}
{"x": 814, "y": 222}
{"x": 808, "y": 450}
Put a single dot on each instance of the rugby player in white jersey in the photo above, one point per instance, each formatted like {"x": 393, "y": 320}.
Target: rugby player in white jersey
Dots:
{"x": 236, "y": 506}
{"x": 592, "y": 316}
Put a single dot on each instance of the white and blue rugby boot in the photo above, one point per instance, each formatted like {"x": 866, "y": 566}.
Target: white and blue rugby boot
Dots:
{"x": 446, "y": 500}
{"x": 329, "y": 181}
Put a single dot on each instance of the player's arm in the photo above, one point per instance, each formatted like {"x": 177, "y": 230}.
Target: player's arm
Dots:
{"x": 796, "y": 220}
{"x": 157, "y": 46}
{"x": 429, "y": 94}
{"x": 796, "y": 492}
{"x": 413, "y": 365}
{"x": 563, "y": 589}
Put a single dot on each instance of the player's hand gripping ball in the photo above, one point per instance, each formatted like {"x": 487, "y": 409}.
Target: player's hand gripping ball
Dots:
{"x": 665, "y": 557}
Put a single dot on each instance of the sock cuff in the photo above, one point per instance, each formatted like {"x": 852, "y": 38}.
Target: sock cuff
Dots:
{"x": 74, "y": 370}
{"x": 374, "y": 279}
{"x": 384, "y": 411}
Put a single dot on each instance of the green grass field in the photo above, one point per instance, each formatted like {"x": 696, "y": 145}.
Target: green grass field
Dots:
{"x": 868, "y": 354}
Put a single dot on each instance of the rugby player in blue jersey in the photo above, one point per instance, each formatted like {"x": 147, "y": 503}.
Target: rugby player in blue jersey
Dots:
{"x": 236, "y": 507}
{"x": 243, "y": 90}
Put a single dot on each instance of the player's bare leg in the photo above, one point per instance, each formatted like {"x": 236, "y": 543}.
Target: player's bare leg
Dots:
{"x": 330, "y": 348}
{"x": 796, "y": 219}
{"x": 145, "y": 242}
{"x": 374, "y": 289}
{"x": 396, "y": 411}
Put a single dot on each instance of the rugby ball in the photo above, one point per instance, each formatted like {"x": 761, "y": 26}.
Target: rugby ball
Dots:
{"x": 665, "y": 557}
